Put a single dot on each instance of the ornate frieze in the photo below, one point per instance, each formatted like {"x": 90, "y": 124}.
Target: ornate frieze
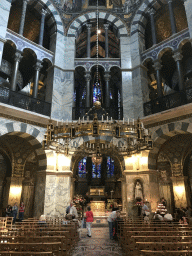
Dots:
{"x": 106, "y": 64}
{"x": 22, "y": 43}
{"x": 173, "y": 43}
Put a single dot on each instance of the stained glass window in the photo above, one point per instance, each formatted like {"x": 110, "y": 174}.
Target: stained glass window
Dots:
{"x": 82, "y": 168}
{"x": 96, "y": 171}
{"x": 110, "y": 167}
{"x": 96, "y": 92}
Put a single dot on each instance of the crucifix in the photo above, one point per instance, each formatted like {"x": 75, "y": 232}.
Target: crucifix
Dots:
{"x": 111, "y": 193}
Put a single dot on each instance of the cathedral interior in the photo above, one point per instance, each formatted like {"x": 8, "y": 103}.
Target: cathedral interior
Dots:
{"x": 84, "y": 64}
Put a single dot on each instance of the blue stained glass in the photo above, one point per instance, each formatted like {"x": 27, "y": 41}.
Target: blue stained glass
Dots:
{"x": 111, "y": 96}
{"x": 96, "y": 171}
{"x": 110, "y": 167}
{"x": 82, "y": 168}
{"x": 96, "y": 92}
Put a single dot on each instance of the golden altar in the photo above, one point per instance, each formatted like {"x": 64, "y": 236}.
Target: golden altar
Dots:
{"x": 98, "y": 208}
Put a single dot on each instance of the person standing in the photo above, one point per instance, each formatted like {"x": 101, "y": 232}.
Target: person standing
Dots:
{"x": 15, "y": 211}
{"x": 111, "y": 219}
{"x": 89, "y": 220}
{"x": 21, "y": 211}
{"x": 8, "y": 211}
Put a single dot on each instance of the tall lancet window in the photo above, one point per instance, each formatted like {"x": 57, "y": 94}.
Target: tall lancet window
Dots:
{"x": 82, "y": 168}
{"x": 110, "y": 167}
{"x": 97, "y": 88}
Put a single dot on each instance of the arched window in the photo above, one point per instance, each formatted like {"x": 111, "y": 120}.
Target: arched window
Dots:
{"x": 82, "y": 168}
{"x": 110, "y": 167}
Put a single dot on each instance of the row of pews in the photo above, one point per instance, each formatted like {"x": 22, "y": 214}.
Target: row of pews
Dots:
{"x": 154, "y": 238}
{"x": 55, "y": 236}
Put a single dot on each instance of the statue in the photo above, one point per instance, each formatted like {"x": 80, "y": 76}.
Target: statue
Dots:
{"x": 138, "y": 191}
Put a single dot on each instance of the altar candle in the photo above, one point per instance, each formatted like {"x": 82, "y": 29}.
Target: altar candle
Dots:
{"x": 107, "y": 119}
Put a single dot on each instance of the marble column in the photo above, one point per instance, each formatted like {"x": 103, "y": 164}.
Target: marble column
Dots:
{"x": 89, "y": 40}
{"x": 157, "y": 66}
{"x": 180, "y": 191}
{"x": 17, "y": 59}
{"x": 23, "y": 14}
{"x": 41, "y": 33}
{"x": 153, "y": 29}
{"x": 37, "y": 67}
{"x": 178, "y": 58}
{"x": 106, "y": 26}
{"x": 107, "y": 89}
{"x": 88, "y": 78}
{"x": 172, "y": 17}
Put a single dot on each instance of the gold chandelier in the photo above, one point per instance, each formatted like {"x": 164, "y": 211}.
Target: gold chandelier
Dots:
{"x": 97, "y": 137}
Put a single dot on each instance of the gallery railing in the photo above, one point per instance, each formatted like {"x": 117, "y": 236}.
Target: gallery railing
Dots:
{"x": 115, "y": 113}
{"x": 20, "y": 100}
{"x": 167, "y": 102}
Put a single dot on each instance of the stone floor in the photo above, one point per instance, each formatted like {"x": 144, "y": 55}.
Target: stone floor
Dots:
{"x": 99, "y": 244}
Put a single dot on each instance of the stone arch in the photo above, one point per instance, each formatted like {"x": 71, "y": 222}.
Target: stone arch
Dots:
{"x": 33, "y": 135}
{"x": 164, "y": 133}
{"x": 139, "y": 20}
{"x": 56, "y": 21}
{"x": 76, "y": 24}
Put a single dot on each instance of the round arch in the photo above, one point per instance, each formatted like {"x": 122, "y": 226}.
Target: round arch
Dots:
{"x": 76, "y": 24}
{"x": 164, "y": 133}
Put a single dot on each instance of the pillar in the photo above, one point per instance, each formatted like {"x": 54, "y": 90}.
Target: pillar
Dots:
{"x": 178, "y": 57}
{"x": 37, "y": 67}
{"x": 157, "y": 66}
{"x": 179, "y": 191}
{"x": 27, "y": 196}
{"x": 41, "y": 33}
{"x": 153, "y": 30}
{"x": 106, "y": 26}
{"x": 23, "y": 14}
{"x": 89, "y": 40}
{"x": 172, "y": 17}
{"x": 107, "y": 90}
{"x": 87, "y": 78}
{"x": 17, "y": 59}
{"x": 39, "y": 194}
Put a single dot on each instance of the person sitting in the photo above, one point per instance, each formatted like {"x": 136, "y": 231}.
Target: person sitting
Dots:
{"x": 158, "y": 216}
{"x": 168, "y": 217}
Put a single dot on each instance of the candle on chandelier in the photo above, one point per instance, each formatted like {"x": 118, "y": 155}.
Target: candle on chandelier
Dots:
{"x": 128, "y": 121}
{"x": 123, "y": 120}
{"x": 102, "y": 118}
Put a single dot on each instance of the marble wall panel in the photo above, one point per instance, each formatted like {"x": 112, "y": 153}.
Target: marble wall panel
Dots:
{"x": 188, "y": 9}
{"x": 137, "y": 47}
{"x": 125, "y": 53}
{"x": 39, "y": 197}
{"x": 4, "y": 17}
{"x": 62, "y": 98}
{"x": 140, "y": 90}
{"x": 62, "y": 195}
{"x": 60, "y": 51}
{"x": 57, "y": 195}
{"x": 69, "y": 53}
{"x": 127, "y": 95}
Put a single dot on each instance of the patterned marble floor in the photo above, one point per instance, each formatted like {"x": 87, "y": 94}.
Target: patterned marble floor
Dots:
{"x": 98, "y": 245}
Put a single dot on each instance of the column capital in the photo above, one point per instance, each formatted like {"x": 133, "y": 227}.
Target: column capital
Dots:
{"x": 169, "y": 1}
{"x": 38, "y": 65}
{"x": 177, "y": 56}
{"x": 157, "y": 65}
{"x": 18, "y": 56}
{"x": 106, "y": 26}
{"x": 26, "y": 1}
{"x": 151, "y": 11}
{"x": 88, "y": 76}
{"x": 89, "y": 26}
{"x": 43, "y": 12}
{"x": 107, "y": 76}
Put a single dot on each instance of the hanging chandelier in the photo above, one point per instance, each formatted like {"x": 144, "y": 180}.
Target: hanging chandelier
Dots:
{"x": 97, "y": 137}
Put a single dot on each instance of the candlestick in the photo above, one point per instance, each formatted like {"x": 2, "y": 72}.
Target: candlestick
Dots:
{"x": 128, "y": 121}
{"x": 123, "y": 120}
{"x": 133, "y": 121}
{"x": 83, "y": 119}
{"x": 111, "y": 119}
{"x": 107, "y": 119}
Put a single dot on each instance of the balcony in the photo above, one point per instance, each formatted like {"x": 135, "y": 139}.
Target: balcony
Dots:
{"x": 168, "y": 102}
{"x": 115, "y": 113}
{"x": 19, "y": 100}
